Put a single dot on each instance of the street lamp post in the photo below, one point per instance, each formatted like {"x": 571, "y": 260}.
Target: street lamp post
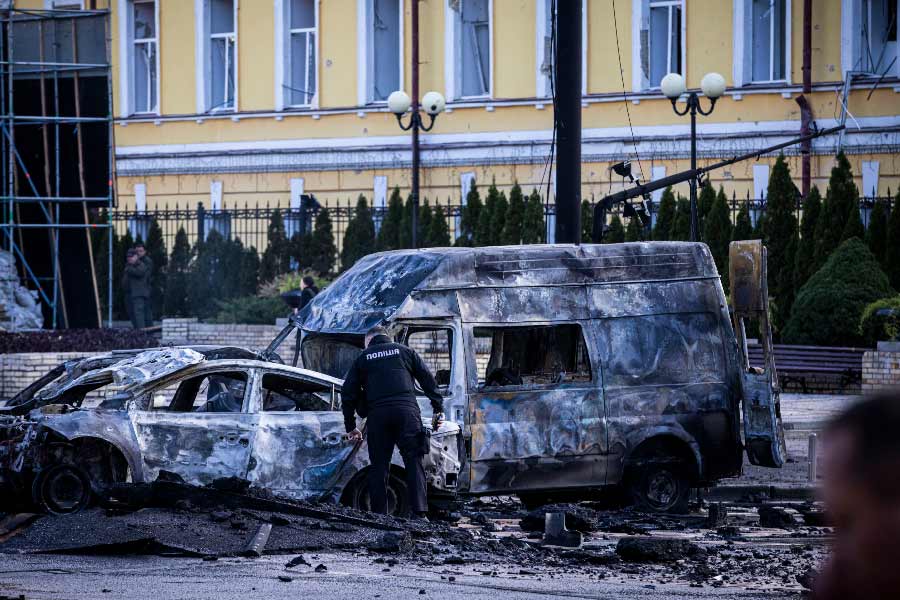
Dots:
{"x": 398, "y": 103}
{"x": 713, "y": 86}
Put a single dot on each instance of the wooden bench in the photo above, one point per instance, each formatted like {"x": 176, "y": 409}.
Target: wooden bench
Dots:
{"x": 794, "y": 363}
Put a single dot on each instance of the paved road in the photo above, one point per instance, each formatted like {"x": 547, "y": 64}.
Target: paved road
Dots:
{"x": 348, "y": 576}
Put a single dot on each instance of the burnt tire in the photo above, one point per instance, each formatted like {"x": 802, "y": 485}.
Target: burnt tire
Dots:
{"x": 662, "y": 487}
{"x": 398, "y": 499}
{"x": 62, "y": 489}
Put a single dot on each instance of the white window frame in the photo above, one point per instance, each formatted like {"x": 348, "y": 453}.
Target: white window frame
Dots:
{"x": 203, "y": 58}
{"x": 742, "y": 25}
{"x": 640, "y": 21}
{"x": 127, "y": 45}
{"x": 53, "y": 4}
{"x": 870, "y": 171}
{"x": 283, "y": 56}
{"x": 453, "y": 48}
{"x": 379, "y": 199}
{"x": 365, "y": 51}
{"x": 541, "y": 80}
{"x": 852, "y": 21}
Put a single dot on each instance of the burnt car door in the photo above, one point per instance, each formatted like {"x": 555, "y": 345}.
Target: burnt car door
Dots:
{"x": 536, "y": 415}
{"x": 299, "y": 444}
{"x": 197, "y": 425}
{"x": 763, "y": 431}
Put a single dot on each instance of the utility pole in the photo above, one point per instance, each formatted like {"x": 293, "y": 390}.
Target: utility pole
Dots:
{"x": 567, "y": 119}
{"x": 415, "y": 130}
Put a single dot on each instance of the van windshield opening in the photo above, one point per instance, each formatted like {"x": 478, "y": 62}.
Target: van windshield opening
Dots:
{"x": 531, "y": 355}
{"x": 330, "y": 354}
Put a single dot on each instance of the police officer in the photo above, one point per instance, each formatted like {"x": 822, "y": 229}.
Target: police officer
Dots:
{"x": 380, "y": 385}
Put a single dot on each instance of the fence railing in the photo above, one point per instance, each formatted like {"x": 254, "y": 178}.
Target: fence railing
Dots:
{"x": 250, "y": 223}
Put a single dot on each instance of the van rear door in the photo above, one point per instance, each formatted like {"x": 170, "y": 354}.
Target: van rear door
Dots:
{"x": 763, "y": 431}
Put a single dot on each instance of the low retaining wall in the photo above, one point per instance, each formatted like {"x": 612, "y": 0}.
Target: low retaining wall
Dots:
{"x": 881, "y": 370}
{"x": 177, "y": 332}
{"x": 18, "y": 371}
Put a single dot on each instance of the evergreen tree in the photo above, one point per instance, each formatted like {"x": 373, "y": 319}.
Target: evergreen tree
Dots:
{"x": 484, "y": 232}
{"x": 804, "y": 263}
{"x": 779, "y": 234}
{"x": 100, "y": 245}
{"x": 276, "y": 259}
{"x": 892, "y": 248}
{"x": 389, "y": 236}
{"x": 743, "y": 226}
{"x": 681, "y": 227}
{"x": 498, "y": 219}
{"x": 438, "y": 234}
{"x": 469, "y": 217}
{"x": 248, "y": 274}
{"x": 512, "y": 228}
{"x": 123, "y": 244}
{"x": 587, "y": 221}
{"x": 533, "y": 219}
{"x": 212, "y": 278}
{"x": 156, "y": 250}
{"x": 876, "y": 235}
{"x": 178, "y": 277}
{"x": 705, "y": 200}
{"x": 633, "y": 231}
{"x": 359, "y": 238}
{"x": 665, "y": 216}
{"x": 854, "y": 226}
{"x": 323, "y": 248}
{"x": 717, "y": 233}
{"x": 405, "y": 234}
{"x": 424, "y": 224}
{"x": 840, "y": 198}
{"x": 615, "y": 232}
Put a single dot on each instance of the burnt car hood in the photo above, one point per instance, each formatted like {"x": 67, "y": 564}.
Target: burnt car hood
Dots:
{"x": 122, "y": 367}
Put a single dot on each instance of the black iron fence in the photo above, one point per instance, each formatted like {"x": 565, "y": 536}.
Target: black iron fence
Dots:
{"x": 250, "y": 223}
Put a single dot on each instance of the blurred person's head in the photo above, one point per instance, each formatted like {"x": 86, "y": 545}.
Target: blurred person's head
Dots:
{"x": 131, "y": 256}
{"x": 140, "y": 250}
{"x": 375, "y": 332}
{"x": 861, "y": 489}
{"x": 307, "y": 282}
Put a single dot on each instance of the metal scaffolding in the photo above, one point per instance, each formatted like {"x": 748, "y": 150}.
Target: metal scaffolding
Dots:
{"x": 42, "y": 52}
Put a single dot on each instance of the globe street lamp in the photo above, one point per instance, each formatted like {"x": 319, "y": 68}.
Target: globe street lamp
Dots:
{"x": 433, "y": 103}
{"x": 712, "y": 86}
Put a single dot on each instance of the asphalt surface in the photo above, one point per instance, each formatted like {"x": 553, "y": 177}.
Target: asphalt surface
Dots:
{"x": 347, "y": 576}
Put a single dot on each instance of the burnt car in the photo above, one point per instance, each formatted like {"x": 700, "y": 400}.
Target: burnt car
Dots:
{"x": 572, "y": 367}
{"x": 177, "y": 410}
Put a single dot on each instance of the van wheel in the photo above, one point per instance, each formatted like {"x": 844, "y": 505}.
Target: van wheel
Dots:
{"x": 397, "y": 498}
{"x": 62, "y": 489}
{"x": 661, "y": 487}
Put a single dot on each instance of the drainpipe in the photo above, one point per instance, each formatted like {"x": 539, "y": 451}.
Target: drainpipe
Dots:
{"x": 805, "y": 116}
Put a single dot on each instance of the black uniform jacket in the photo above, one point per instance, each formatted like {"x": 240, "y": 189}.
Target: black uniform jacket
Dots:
{"x": 382, "y": 376}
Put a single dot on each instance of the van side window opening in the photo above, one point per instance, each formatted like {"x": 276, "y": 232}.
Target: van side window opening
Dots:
{"x": 281, "y": 394}
{"x": 435, "y": 346}
{"x": 662, "y": 350}
{"x": 211, "y": 392}
{"x": 531, "y": 355}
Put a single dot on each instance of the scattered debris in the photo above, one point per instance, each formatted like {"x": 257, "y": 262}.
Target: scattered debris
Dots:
{"x": 297, "y": 561}
{"x": 556, "y": 534}
{"x": 777, "y": 517}
{"x": 652, "y": 550}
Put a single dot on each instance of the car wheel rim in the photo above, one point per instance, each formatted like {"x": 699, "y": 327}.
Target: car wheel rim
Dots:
{"x": 662, "y": 489}
{"x": 65, "y": 490}
{"x": 364, "y": 502}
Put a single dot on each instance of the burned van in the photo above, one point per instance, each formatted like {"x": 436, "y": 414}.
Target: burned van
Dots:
{"x": 571, "y": 367}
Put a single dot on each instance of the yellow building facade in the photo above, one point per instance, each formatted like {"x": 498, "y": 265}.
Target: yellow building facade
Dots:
{"x": 258, "y": 101}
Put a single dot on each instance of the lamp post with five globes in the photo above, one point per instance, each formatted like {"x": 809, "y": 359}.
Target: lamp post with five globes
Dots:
{"x": 713, "y": 86}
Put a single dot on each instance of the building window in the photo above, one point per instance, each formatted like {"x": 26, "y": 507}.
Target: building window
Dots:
{"x": 659, "y": 27}
{"x": 546, "y": 54}
{"x": 222, "y": 66}
{"x": 469, "y": 48}
{"x": 383, "y": 37}
{"x": 878, "y": 35}
{"x": 768, "y": 38}
{"x": 143, "y": 54}
{"x": 64, "y": 5}
{"x": 301, "y": 67}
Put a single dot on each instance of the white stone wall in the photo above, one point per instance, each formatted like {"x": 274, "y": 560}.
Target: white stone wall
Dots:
{"x": 881, "y": 370}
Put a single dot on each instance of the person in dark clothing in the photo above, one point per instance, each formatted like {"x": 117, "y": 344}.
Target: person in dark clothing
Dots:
{"x": 308, "y": 291}
{"x": 380, "y": 385}
{"x": 148, "y": 263}
{"x": 137, "y": 289}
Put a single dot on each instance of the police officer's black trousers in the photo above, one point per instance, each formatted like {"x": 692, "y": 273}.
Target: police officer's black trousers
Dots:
{"x": 386, "y": 428}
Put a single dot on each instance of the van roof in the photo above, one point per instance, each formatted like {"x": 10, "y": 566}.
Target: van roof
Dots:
{"x": 378, "y": 285}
